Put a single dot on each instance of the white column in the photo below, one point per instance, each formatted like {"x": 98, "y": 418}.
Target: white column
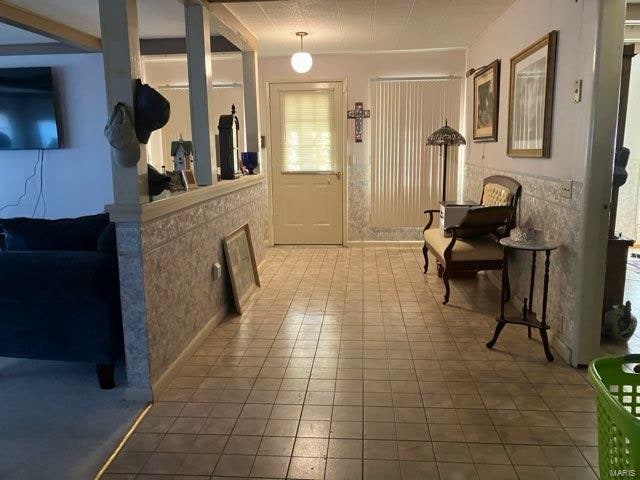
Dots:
{"x": 203, "y": 130}
{"x": 121, "y": 56}
{"x": 251, "y": 107}
{"x": 121, "y": 53}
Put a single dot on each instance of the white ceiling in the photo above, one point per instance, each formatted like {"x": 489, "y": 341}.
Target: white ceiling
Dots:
{"x": 367, "y": 25}
{"x": 333, "y": 25}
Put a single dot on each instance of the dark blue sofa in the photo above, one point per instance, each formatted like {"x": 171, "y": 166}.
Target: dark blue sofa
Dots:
{"x": 60, "y": 293}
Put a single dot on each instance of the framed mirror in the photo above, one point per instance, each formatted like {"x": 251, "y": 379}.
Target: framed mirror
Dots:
{"x": 531, "y": 89}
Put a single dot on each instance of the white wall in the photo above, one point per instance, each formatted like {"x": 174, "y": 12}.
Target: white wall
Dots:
{"x": 356, "y": 70}
{"x": 77, "y": 177}
{"x": 522, "y": 25}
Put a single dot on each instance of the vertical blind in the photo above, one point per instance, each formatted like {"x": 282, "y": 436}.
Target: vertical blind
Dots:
{"x": 308, "y": 128}
{"x": 406, "y": 175}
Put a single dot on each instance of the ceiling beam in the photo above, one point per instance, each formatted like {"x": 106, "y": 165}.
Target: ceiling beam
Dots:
{"x": 32, "y": 22}
{"x": 227, "y": 24}
{"x": 173, "y": 46}
{"x": 50, "y": 48}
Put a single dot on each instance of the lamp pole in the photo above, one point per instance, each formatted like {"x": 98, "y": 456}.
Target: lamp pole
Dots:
{"x": 444, "y": 174}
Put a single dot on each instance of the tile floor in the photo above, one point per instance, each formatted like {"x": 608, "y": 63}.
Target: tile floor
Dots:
{"x": 347, "y": 366}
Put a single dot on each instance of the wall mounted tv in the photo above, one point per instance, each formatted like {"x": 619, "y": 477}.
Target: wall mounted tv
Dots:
{"x": 27, "y": 109}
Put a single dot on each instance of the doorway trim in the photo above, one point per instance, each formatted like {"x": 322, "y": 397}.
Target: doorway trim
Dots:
{"x": 598, "y": 180}
{"x": 345, "y": 163}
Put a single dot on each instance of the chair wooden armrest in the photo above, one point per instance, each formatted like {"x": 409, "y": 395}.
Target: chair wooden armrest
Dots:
{"x": 469, "y": 248}
{"x": 430, "y": 221}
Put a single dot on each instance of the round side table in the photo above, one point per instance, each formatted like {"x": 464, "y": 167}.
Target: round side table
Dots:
{"x": 528, "y": 317}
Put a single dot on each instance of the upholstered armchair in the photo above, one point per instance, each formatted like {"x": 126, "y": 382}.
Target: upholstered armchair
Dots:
{"x": 473, "y": 245}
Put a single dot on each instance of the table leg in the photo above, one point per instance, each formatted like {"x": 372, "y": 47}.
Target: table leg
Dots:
{"x": 496, "y": 334}
{"x": 543, "y": 322}
{"x": 531, "y": 285}
{"x": 505, "y": 283}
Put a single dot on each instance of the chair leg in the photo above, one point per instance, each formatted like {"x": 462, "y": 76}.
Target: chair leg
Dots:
{"x": 425, "y": 252}
{"x": 447, "y": 290}
{"x": 105, "y": 373}
{"x": 440, "y": 270}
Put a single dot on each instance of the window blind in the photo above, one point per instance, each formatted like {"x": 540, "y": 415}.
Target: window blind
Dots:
{"x": 406, "y": 175}
{"x": 308, "y": 131}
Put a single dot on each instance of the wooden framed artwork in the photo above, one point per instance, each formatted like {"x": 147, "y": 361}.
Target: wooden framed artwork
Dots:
{"x": 486, "y": 103}
{"x": 531, "y": 88}
{"x": 241, "y": 261}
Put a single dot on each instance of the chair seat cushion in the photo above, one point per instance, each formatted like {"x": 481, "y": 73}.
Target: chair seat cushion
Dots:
{"x": 465, "y": 249}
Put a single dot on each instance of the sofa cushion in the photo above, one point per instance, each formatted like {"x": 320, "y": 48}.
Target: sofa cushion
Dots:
{"x": 63, "y": 234}
{"x": 107, "y": 240}
{"x": 465, "y": 249}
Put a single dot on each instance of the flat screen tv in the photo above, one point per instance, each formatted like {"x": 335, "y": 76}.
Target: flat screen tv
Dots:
{"x": 27, "y": 109}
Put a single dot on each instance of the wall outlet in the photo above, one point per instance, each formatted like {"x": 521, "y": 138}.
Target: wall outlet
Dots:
{"x": 217, "y": 271}
{"x": 577, "y": 91}
{"x": 566, "y": 188}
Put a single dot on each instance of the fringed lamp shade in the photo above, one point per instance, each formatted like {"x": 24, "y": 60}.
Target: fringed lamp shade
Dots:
{"x": 445, "y": 137}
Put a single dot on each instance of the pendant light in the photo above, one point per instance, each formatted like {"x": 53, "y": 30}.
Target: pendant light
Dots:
{"x": 301, "y": 61}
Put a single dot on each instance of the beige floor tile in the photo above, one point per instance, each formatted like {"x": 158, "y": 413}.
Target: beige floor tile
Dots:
{"x": 270, "y": 467}
{"x": 457, "y": 471}
{"x": 451, "y": 452}
{"x": 234, "y": 465}
{"x": 381, "y": 470}
{"x": 307, "y": 468}
{"x": 345, "y": 448}
{"x": 343, "y": 469}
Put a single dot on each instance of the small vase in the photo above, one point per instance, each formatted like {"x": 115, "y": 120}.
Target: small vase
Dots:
{"x": 619, "y": 323}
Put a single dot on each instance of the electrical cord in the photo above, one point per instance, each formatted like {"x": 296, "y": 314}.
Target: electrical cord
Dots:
{"x": 26, "y": 182}
{"x": 41, "y": 192}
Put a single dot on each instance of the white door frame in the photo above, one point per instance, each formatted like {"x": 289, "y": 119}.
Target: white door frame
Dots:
{"x": 344, "y": 166}
{"x": 598, "y": 180}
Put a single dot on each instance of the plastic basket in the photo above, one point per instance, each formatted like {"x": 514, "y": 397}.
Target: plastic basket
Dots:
{"x": 618, "y": 402}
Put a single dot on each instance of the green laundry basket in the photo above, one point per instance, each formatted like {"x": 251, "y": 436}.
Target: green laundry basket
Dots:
{"x": 618, "y": 400}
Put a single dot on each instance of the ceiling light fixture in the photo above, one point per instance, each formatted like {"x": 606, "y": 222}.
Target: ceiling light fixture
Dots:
{"x": 301, "y": 61}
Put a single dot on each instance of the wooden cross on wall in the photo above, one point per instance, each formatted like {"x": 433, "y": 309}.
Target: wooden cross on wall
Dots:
{"x": 358, "y": 113}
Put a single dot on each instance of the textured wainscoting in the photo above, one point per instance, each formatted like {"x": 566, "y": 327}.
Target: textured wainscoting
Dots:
{"x": 559, "y": 218}
{"x": 180, "y": 250}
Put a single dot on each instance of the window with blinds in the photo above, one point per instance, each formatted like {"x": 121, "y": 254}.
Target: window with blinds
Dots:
{"x": 308, "y": 131}
{"x": 406, "y": 175}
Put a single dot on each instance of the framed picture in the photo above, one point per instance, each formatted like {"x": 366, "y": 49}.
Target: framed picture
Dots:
{"x": 486, "y": 102}
{"x": 241, "y": 261}
{"x": 531, "y": 89}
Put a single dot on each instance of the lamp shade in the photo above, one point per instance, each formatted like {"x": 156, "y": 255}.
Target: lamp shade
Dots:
{"x": 301, "y": 62}
{"x": 446, "y": 136}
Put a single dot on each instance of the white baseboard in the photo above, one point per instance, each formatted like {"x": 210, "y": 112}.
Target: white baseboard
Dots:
{"x": 160, "y": 385}
{"x": 385, "y": 243}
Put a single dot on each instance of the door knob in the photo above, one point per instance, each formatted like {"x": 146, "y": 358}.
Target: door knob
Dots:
{"x": 338, "y": 175}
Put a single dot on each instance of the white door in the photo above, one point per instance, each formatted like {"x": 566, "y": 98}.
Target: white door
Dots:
{"x": 307, "y": 162}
